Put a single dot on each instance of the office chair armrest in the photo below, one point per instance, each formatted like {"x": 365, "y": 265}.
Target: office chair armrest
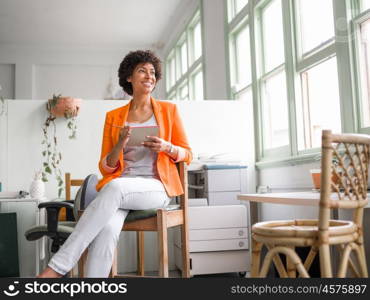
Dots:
{"x": 52, "y": 213}
{"x": 59, "y": 204}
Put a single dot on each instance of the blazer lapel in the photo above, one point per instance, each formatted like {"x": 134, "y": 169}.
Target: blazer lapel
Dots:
{"x": 157, "y": 110}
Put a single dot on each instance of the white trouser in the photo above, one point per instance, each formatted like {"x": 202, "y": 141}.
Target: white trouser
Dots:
{"x": 101, "y": 223}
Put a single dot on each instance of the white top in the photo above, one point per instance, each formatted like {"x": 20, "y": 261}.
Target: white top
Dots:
{"x": 139, "y": 160}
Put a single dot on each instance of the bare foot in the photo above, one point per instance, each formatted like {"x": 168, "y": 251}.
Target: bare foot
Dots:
{"x": 49, "y": 273}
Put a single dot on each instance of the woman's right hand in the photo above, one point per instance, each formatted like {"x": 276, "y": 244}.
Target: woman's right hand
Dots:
{"x": 124, "y": 135}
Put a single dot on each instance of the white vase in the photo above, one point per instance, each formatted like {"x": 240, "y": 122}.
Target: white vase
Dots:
{"x": 37, "y": 188}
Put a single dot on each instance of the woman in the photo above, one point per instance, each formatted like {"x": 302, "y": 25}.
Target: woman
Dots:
{"x": 134, "y": 178}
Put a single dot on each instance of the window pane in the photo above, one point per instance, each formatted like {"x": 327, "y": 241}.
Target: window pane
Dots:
{"x": 275, "y": 112}
{"x": 273, "y": 40}
{"x": 197, "y": 41}
{"x": 244, "y": 95}
{"x": 184, "y": 57}
{"x": 198, "y": 86}
{"x": 234, "y": 7}
{"x": 243, "y": 65}
{"x": 365, "y": 5}
{"x": 172, "y": 71}
{"x": 317, "y": 22}
{"x": 184, "y": 92}
{"x": 320, "y": 108}
{"x": 365, "y": 73}
{"x": 172, "y": 96}
{"x": 239, "y": 4}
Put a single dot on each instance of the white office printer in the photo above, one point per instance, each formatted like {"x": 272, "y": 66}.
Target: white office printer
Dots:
{"x": 218, "y": 229}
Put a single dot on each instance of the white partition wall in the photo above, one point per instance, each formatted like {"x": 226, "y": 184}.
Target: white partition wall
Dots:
{"x": 212, "y": 127}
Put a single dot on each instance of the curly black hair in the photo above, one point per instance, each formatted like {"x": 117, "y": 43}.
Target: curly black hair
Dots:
{"x": 129, "y": 63}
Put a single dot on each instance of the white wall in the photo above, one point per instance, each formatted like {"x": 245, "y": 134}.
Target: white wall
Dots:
{"x": 41, "y": 71}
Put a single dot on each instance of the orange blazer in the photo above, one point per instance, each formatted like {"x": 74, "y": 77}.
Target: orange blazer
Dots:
{"x": 170, "y": 129}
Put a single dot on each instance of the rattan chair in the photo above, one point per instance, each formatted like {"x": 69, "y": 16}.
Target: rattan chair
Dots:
{"x": 345, "y": 156}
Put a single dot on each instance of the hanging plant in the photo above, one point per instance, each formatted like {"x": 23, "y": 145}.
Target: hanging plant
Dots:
{"x": 58, "y": 106}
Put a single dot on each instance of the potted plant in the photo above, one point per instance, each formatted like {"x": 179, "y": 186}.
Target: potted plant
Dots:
{"x": 57, "y": 107}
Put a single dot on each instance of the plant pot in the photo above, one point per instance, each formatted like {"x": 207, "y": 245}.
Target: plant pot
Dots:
{"x": 67, "y": 107}
{"x": 316, "y": 178}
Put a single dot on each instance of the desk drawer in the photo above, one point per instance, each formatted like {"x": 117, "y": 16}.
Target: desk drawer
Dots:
{"x": 223, "y": 216}
{"x": 223, "y": 180}
{"x": 223, "y": 198}
{"x": 218, "y": 234}
{"x": 218, "y": 245}
{"x": 216, "y": 262}
{"x": 213, "y": 234}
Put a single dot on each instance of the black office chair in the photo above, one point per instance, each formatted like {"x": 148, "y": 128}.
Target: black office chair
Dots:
{"x": 59, "y": 231}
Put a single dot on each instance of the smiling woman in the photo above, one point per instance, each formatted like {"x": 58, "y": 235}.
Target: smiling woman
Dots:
{"x": 134, "y": 177}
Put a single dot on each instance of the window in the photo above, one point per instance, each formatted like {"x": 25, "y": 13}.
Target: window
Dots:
{"x": 184, "y": 73}
{"x": 316, "y": 23}
{"x": 234, "y": 7}
{"x": 197, "y": 41}
{"x": 362, "y": 68}
{"x": 365, "y": 5}
{"x": 170, "y": 70}
{"x": 317, "y": 71}
{"x": 184, "y": 58}
{"x": 275, "y": 112}
{"x": 302, "y": 79}
{"x": 365, "y": 73}
{"x": 272, "y": 34}
{"x": 184, "y": 92}
{"x": 239, "y": 50}
{"x": 274, "y": 101}
{"x": 320, "y": 106}
{"x": 198, "y": 85}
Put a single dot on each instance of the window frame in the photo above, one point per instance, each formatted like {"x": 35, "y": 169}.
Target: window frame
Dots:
{"x": 356, "y": 45}
{"x": 193, "y": 65}
{"x": 296, "y": 63}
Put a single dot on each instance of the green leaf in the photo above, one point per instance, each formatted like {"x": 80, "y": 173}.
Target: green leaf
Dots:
{"x": 48, "y": 170}
{"x": 45, "y": 164}
{"x": 43, "y": 153}
{"x": 59, "y": 192}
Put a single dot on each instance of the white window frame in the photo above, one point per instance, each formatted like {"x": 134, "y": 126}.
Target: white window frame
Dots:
{"x": 194, "y": 66}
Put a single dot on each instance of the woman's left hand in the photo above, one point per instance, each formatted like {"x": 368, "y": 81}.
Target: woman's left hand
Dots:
{"x": 156, "y": 144}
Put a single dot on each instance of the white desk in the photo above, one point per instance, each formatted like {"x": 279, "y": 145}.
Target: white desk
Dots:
{"x": 40, "y": 219}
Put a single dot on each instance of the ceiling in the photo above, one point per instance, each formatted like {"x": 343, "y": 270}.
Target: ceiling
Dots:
{"x": 86, "y": 23}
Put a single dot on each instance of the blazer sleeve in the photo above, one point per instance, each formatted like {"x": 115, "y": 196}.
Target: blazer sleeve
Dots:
{"x": 179, "y": 137}
{"x": 107, "y": 145}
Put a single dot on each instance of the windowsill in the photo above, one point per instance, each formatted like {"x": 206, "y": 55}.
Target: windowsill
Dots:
{"x": 287, "y": 161}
